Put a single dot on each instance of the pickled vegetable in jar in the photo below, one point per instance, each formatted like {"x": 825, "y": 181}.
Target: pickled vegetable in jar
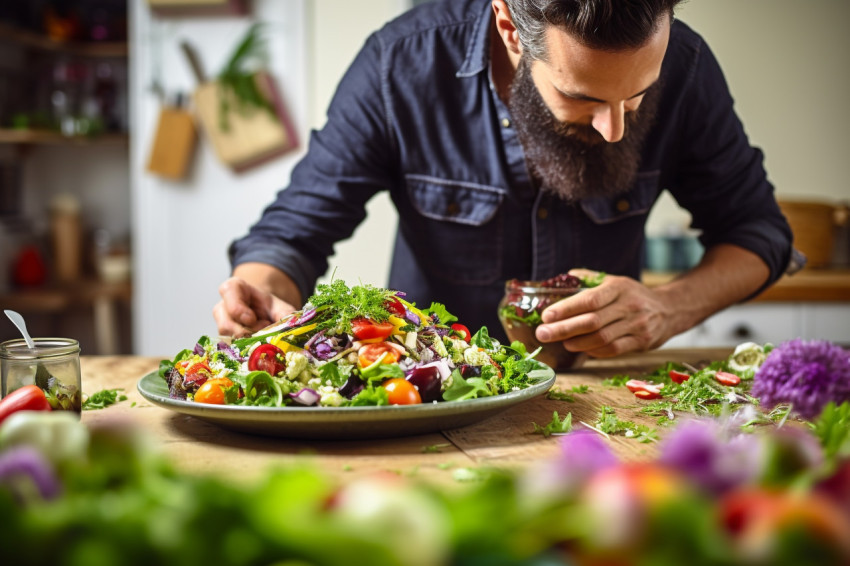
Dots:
{"x": 520, "y": 312}
{"x": 53, "y": 365}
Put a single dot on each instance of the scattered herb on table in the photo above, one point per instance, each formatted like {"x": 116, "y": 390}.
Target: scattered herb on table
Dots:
{"x": 580, "y": 389}
{"x": 556, "y": 426}
{"x": 103, "y": 399}
{"x": 609, "y": 424}
{"x": 616, "y": 381}
{"x": 556, "y": 394}
{"x": 435, "y": 448}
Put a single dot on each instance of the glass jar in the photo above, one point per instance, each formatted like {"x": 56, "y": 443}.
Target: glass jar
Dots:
{"x": 520, "y": 313}
{"x": 53, "y": 365}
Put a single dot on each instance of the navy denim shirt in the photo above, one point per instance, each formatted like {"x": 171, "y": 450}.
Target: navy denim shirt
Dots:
{"x": 417, "y": 115}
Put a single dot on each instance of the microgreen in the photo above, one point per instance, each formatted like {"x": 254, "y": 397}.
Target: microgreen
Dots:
{"x": 103, "y": 399}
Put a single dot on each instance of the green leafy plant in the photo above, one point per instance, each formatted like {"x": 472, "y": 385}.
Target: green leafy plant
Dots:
{"x": 237, "y": 80}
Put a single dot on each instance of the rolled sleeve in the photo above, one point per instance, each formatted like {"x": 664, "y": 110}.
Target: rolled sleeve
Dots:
{"x": 721, "y": 178}
{"x": 346, "y": 164}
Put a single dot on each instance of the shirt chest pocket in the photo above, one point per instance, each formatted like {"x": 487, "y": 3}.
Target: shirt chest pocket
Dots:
{"x": 457, "y": 231}
{"x": 635, "y": 203}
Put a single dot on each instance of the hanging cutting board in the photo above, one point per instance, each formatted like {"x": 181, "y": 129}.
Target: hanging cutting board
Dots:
{"x": 251, "y": 135}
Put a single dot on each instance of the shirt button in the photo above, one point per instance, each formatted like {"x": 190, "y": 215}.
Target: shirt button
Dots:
{"x": 542, "y": 213}
{"x": 506, "y": 123}
{"x": 452, "y": 209}
{"x": 623, "y": 205}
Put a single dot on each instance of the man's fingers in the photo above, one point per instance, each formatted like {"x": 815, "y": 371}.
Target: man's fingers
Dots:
{"x": 588, "y": 300}
{"x": 226, "y": 325}
{"x": 237, "y": 298}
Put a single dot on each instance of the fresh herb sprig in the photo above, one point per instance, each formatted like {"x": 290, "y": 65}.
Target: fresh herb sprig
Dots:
{"x": 556, "y": 426}
{"x": 608, "y": 423}
{"x": 103, "y": 399}
{"x": 344, "y": 304}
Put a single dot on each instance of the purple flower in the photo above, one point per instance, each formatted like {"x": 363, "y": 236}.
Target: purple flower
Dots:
{"x": 582, "y": 454}
{"x": 23, "y": 467}
{"x": 712, "y": 456}
{"x": 806, "y": 374}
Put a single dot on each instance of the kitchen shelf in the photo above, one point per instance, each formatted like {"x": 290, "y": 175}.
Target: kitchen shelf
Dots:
{"x": 49, "y": 137}
{"x": 32, "y": 40}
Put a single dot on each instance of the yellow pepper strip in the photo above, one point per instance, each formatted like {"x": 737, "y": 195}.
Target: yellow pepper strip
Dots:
{"x": 279, "y": 339}
{"x": 398, "y": 323}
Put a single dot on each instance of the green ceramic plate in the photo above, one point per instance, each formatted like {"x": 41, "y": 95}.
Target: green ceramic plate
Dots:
{"x": 341, "y": 422}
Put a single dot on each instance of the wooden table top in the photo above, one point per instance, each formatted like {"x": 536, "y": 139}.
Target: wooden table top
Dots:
{"x": 503, "y": 441}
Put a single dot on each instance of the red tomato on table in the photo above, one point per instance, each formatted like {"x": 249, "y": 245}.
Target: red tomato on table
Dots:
{"x": 27, "y": 398}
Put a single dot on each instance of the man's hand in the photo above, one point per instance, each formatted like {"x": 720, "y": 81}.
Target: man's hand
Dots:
{"x": 621, "y": 315}
{"x": 244, "y": 309}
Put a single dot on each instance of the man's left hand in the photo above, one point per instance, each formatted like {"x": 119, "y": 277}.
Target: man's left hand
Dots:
{"x": 619, "y": 316}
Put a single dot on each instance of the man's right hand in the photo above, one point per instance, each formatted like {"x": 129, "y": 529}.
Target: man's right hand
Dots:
{"x": 245, "y": 309}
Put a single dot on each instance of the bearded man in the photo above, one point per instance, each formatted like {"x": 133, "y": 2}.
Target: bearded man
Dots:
{"x": 521, "y": 139}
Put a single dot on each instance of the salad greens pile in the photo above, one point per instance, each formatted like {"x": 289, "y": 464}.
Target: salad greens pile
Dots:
{"x": 351, "y": 347}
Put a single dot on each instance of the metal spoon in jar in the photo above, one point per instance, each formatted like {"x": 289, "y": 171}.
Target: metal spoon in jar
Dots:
{"x": 18, "y": 321}
{"x": 41, "y": 373}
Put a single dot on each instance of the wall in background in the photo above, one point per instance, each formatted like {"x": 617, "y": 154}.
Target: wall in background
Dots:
{"x": 181, "y": 231}
{"x": 788, "y": 67}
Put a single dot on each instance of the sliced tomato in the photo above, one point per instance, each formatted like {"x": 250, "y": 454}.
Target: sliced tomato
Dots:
{"x": 679, "y": 376}
{"x": 647, "y": 395}
{"x": 462, "y": 330}
{"x": 401, "y": 392}
{"x": 394, "y": 306}
{"x": 726, "y": 378}
{"x": 370, "y": 353}
{"x": 366, "y": 329}
{"x": 27, "y": 398}
{"x": 638, "y": 385}
{"x": 212, "y": 391}
{"x": 644, "y": 389}
{"x": 197, "y": 373}
{"x": 268, "y": 358}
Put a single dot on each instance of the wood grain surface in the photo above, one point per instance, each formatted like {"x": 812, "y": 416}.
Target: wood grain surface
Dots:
{"x": 503, "y": 441}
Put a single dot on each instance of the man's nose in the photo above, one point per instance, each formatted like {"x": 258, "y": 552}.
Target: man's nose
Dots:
{"x": 609, "y": 121}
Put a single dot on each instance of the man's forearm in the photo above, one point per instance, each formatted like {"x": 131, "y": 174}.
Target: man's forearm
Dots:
{"x": 726, "y": 275}
{"x": 271, "y": 279}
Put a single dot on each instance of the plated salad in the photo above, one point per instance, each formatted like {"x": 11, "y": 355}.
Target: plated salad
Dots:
{"x": 357, "y": 346}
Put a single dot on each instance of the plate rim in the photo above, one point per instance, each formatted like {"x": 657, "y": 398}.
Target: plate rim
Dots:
{"x": 429, "y": 409}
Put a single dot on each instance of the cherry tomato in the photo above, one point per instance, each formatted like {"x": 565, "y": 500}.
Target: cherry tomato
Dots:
{"x": 267, "y": 357}
{"x": 462, "y": 330}
{"x": 394, "y": 306}
{"x": 401, "y": 392}
{"x": 726, "y": 378}
{"x": 369, "y": 354}
{"x": 27, "y": 398}
{"x": 366, "y": 329}
{"x": 212, "y": 391}
{"x": 197, "y": 373}
{"x": 679, "y": 376}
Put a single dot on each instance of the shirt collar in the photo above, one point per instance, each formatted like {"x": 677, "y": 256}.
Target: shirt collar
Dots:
{"x": 478, "y": 50}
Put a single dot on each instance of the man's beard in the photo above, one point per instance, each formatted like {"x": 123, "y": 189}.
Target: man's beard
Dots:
{"x": 573, "y": 161}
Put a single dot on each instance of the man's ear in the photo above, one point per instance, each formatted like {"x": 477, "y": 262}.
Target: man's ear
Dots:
{"x": 505, "y": 27}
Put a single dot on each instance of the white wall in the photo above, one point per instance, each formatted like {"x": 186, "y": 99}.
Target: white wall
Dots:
{"x": 788, "y": 67}
{"x": 181, "y": 230}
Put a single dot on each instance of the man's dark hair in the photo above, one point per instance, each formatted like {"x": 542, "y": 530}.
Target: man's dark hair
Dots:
{"x": 608, "y": 25}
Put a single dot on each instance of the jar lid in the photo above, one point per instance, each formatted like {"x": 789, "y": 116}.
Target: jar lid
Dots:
{"x": 44, "y": 348}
